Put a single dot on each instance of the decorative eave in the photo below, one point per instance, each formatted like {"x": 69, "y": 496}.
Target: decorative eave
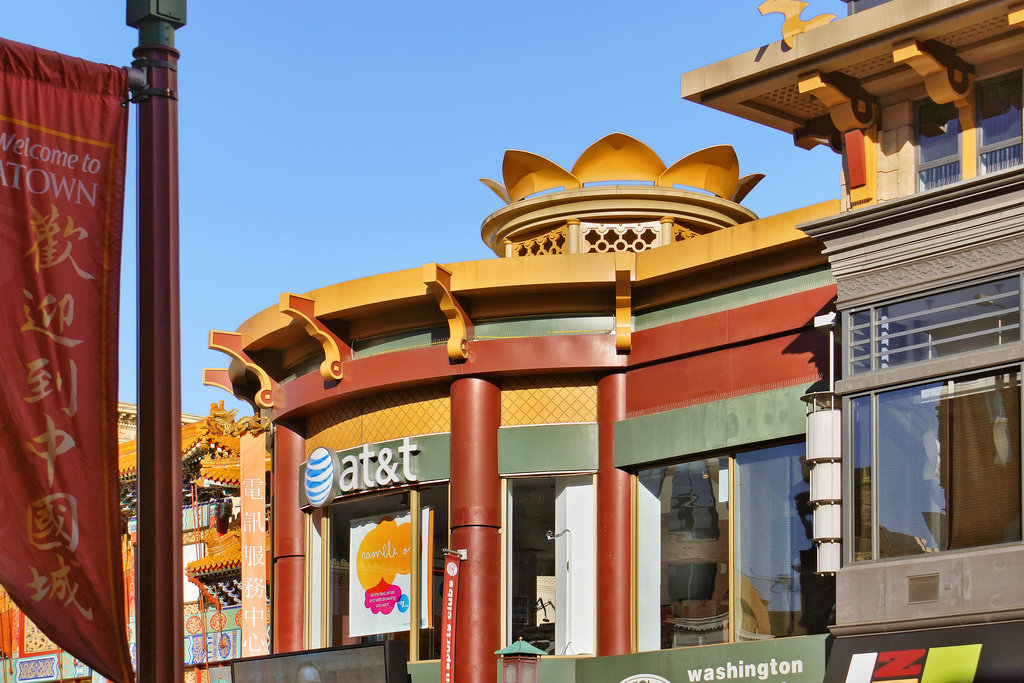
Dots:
{"x": 927, "y": 240}
{"x": 763, "y": 85}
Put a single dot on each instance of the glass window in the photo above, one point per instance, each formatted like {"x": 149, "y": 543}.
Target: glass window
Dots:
{"x": 683, "y": 554}
{"x": 937, "y": 325}
{"x": 938, "y": 145}
{"x": 551, "y": 578}
{"x": 683, "y": 559}
{"x": 434, "y": 501}
{"x": 946, "y": 465}
{"x": 999, "y": 124}
{"x": 779, "y": 593}
{"x": 371, "y": 589}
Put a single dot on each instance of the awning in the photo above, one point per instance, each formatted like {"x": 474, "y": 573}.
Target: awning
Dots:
{"x": 963, "y": 654}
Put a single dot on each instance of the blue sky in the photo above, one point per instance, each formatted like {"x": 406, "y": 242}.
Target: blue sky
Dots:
{"x": 326, "y": 141}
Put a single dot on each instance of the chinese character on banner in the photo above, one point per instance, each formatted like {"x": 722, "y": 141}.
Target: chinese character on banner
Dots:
{"x": 254, "y": 545}
{"x": 63, "y": 133}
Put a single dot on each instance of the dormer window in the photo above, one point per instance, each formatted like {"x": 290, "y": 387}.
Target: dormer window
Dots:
{"x": 999, "y": 125}
{"x": 938, "y": 145}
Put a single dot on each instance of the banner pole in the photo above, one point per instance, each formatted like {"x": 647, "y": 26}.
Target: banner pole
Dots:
{"x": 160, "y": 593}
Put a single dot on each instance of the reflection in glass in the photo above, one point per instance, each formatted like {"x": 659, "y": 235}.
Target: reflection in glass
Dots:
{"x": 690, "y": 501}
{"x": 938, "y": 145}
{"x": 948, "y": 465}
{"x": 779, "y": 593}
{"x": 937, "y": 325}
{"x": 861, "y": 483}
{"x": 999, "y": 125}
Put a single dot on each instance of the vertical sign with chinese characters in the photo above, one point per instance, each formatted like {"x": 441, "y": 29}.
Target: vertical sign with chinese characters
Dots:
{"x": 63, "y": 130}
{"x": 254, "y": 545}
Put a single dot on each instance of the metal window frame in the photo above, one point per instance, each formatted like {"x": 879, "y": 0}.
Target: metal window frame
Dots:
{"x": 948, "y": 159}
{"x": 873, "y": 339}
{"x": 1014, "y": 77}
{"x": 848, "y": 450}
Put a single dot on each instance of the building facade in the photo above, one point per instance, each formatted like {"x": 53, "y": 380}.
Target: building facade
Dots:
{"x": 673, "y": 440}
{"x": 607, "y": 418}
{"x": 923, "y": 99}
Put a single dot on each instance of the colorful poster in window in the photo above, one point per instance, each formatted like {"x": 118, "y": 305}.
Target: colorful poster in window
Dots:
{"x": 380, "y": 579}
{"x": 63, "y": 134}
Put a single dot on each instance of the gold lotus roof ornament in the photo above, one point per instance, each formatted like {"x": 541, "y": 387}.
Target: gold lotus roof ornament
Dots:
{"x": 619, "y": 157}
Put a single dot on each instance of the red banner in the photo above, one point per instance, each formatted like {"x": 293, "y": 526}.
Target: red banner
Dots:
{"x": 449, "y": 612}
{"x": 63, "y": 133}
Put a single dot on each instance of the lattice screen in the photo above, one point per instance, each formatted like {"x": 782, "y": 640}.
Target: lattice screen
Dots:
{"x": 385, "y": 417}
{"x": 549, "y": 400}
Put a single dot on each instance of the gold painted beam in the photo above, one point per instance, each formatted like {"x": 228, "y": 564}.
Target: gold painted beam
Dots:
{"x": 1015, "y": 16}
{"x": 231, "y": 344}
{"x": 849, "y": 105}
{"x": 947, "y": 77}
{"x": 460, "y": 327}
{"x": 335, "y": 350}
{"x": 625, "y": 271}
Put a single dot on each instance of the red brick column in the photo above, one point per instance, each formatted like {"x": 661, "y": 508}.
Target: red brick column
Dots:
{"x": 475, "y": 518}
{"x": 289, "y": 547}
{"x": 614, "y": 502}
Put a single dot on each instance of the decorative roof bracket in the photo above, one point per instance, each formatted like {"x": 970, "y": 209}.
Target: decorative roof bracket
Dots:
{"x": 302, "y": 309}
{"x": 231, "y": 344}
{"x": 849, "y": 104}
{"x": 625, "y": 268}
{"x": 819, "y": 131}
{"x": 460, "y": 327}
{"x": 947, "y": 77}
{"x": 218, "y": 377}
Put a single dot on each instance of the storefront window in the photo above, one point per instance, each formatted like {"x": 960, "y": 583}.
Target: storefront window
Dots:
{"x": 684, "y": 575}
{"x": 551, "y": 578}
{"x": 371, "y": 572}
{"x": 683, "y": 554}
{"x": 779, "y": 593}
{"x": 946, "y": 464}
{"x": 435, "y": 499}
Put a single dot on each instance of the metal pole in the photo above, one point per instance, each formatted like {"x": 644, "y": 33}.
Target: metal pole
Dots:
{"x": 159, "y": 616}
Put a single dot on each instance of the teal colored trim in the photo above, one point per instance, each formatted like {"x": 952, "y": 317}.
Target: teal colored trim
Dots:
{"x": 547, "y": 448}
{"x": 735, "y": 298}
{"x": 400, "y": 341}
{"x": 512, "y": 328}
{"x": 727, "y": 423}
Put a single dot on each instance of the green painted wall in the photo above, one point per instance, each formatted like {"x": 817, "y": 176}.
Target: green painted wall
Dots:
{"x": 723, "y": 424}
{"x": 547, "y": 448}
{"x": 511, "y": 328}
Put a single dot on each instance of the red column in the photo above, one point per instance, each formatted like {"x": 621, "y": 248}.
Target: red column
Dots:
{"x": 160, "y": 629}
{"x": 289, "y": 533}
{"x": 614, "y": 500}
{"x": 475, "y": 518}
